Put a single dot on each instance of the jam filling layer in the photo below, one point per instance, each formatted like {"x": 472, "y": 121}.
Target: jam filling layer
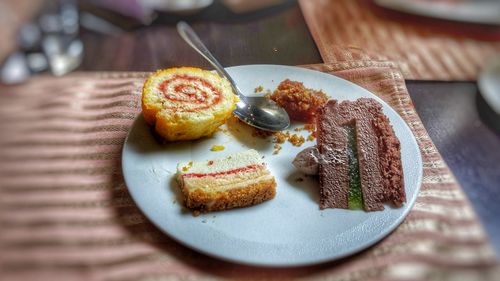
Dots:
{"x": 223, "y": 173}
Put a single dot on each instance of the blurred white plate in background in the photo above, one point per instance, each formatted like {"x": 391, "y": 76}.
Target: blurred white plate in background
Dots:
{"x": 472, "y": 11}
{"x": 176, "y": 6}
{"x": 489, "y": 84}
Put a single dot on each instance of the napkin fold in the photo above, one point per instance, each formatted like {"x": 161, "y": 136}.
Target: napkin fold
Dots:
{"x": 65, "y": 212}
{"x": 424, "y": 49}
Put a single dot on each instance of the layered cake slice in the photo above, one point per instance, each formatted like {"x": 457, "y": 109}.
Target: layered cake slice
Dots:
{"x": 361, "y": 156}
{"x": 238, "y": 180}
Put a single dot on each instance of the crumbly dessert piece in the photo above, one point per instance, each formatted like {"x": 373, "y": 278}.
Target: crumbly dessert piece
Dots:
{"x": 186, "y": 103}
{"x": 238, "y": 180}
{"x": 299, "y": 102}
{"x": 296, "y": 140}
{"x": 361, "y": 156}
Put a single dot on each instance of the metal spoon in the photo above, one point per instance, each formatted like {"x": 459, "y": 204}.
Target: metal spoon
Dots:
{"x": 259, "y": 112}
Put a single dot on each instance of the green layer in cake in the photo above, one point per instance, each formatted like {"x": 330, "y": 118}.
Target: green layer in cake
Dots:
{"x": 355, "y": 197}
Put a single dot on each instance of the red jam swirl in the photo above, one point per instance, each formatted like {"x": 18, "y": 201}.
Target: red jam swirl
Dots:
{"x": 188, "y": 93}
{"x": 223, "y": 173}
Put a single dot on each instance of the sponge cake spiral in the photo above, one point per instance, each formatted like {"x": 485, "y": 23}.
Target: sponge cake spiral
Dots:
{"x": 186, "y": 103}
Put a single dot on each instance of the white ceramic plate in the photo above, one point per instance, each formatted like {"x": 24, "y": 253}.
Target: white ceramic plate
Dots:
{"x": 289, "y": 230}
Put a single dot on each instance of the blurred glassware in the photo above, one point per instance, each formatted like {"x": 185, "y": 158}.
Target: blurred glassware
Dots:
{"x": 49, "y": 43}
{"x": 29, "y": 37}
{"x": 62, "y": 54}
{"x": 15, "y": 69}
{"x": 50, "y": 23}
{"x": 69, "y": 17}
{"x": 37, "y": 62}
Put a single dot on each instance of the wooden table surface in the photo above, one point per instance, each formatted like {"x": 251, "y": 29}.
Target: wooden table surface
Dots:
{"x": 279, "y": 35}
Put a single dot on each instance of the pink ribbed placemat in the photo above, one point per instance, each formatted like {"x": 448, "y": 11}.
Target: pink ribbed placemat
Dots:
{"x": 65, "y": 213}
{"x": 423, "y": 49}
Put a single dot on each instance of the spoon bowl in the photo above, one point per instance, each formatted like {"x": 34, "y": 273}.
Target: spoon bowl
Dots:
{"x": 259, "y": 112}
{"x": 262, "y": 113}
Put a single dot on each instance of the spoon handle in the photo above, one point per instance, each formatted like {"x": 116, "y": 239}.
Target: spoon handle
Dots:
{"x": 188, "y": 34}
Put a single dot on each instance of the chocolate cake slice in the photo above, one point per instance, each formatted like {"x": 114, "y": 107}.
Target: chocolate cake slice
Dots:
{"x": 361, "y": 156}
